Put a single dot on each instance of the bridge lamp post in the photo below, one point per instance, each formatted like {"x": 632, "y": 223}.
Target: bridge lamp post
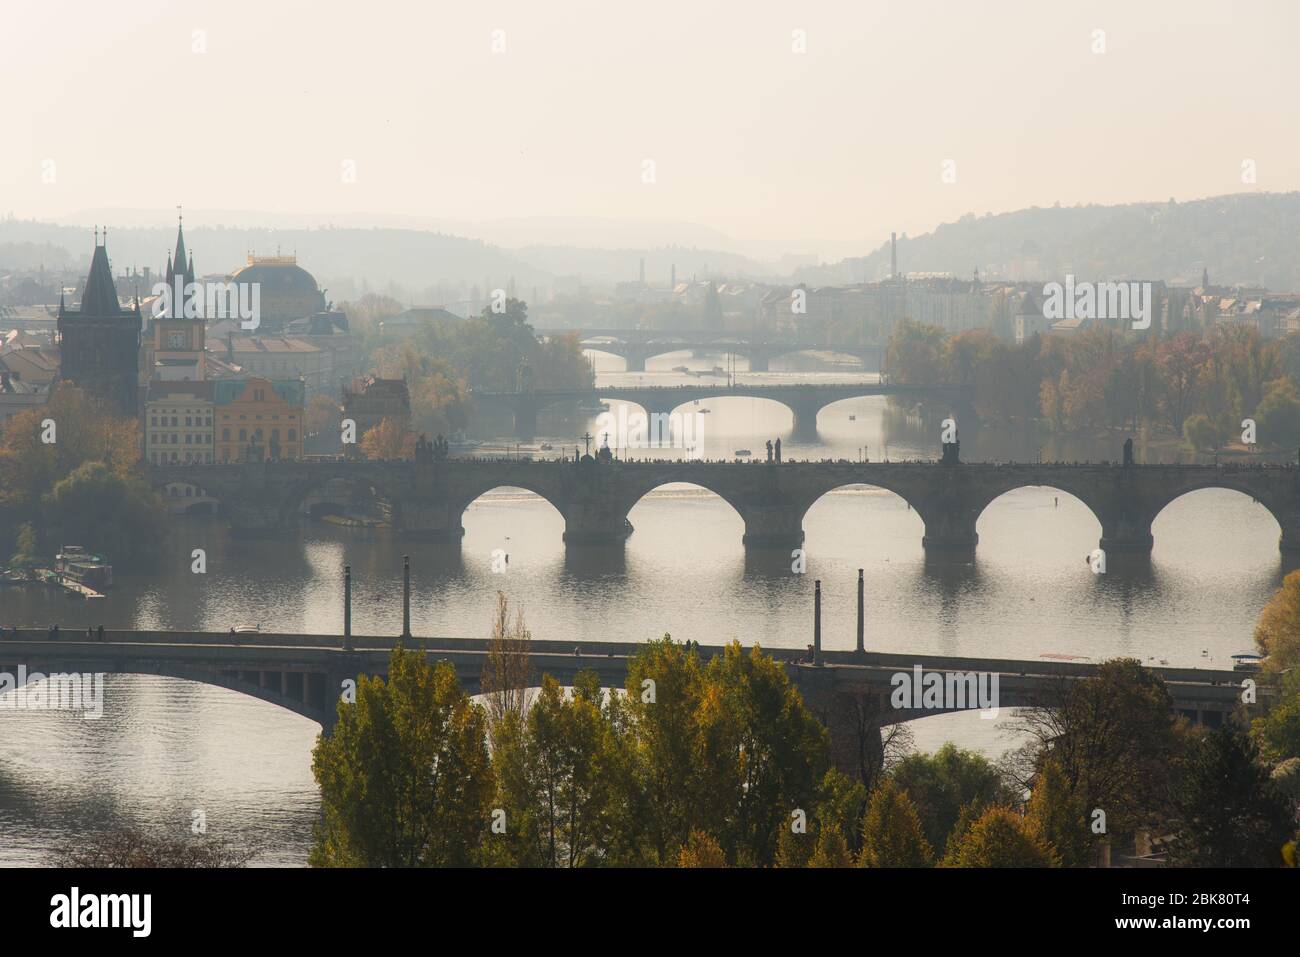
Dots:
{"x": 817, "y": 622}
{"x": 861, "y": 615}
{"x": 347, "y": 607}
{"x": 406, "y": 596}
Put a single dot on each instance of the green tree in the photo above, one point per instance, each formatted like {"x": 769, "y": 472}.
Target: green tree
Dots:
{"x": 891, "y": 831}
{"x": 941, "y": 784}
{"x": 1229, "y": 812}
{"x": 1112, "y": 737}
{"x": 1277, "y": 733}
{"x": 1000, "y": 838}
{"x": 28, "y": 551}
{"x": 405, "y": 778}
{"x": 1278, "y": 415}
{"x": 1060, "y": 816}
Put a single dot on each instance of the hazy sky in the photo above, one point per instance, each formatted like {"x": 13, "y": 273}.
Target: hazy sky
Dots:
{"x": 843, "y": 142}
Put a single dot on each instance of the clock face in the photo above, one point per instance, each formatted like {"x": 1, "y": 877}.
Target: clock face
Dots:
{"x": 176, "y": 340}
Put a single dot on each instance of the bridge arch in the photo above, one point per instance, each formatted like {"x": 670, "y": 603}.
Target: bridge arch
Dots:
{"x": 878, "y": 512}
{"x": 535, "y": 490}
{"x": 1180, "y": 499}
{"x": 1065, "y": 501}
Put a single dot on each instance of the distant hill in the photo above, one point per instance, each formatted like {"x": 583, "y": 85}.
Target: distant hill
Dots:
{"x": 398, "y": 260}
{"x": 1246, "y": 239}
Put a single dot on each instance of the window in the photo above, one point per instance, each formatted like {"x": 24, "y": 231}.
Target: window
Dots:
{"x": 225, "y": 435}
{"x": 293, "y": 435}
{"x": 243, "y": 435}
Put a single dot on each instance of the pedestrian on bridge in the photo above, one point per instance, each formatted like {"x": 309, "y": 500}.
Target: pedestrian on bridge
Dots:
{"x": 100, "y": 633}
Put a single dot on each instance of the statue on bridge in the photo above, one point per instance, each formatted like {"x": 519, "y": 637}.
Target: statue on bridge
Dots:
{"x": 951, "y": 453}
{"x": 777, "y": 449}
{"x": 426, "y": 451}
{"x": 769, "y": 451}
{"x": 1128, "y": 453}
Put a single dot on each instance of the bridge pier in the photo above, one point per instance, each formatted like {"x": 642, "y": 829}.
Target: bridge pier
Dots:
{"x": 1126, "y": 534}
{"x": 428, "y": 521}
{"x": 950, "y": 533}
{"x": 772, "y": 526}
{"x": 805, "y": 418}
{"x": 595, "y": 523}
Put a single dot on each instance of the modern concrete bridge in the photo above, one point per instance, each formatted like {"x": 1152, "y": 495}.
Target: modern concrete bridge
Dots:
{"x": 306, "y": 673}
{"x": 636, "y": 346}
{"x": 595, "y": 496}
{"x": 804, "y": 400}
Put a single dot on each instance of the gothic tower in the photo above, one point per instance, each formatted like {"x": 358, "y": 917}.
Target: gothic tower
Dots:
{"x": 99, "y": 343}
{"x": 178, "y": 342}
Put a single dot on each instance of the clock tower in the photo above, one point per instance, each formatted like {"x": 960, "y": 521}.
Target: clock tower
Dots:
{"x": 179, "y": 332}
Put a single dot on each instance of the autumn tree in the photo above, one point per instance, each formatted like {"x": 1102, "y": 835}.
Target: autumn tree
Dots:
{"x": 891, "y": 831}
{"x": 1000, "y": 838}
{"x": 387, "y": 441}
{"x": 405, "y": 777}
{"x": 1277, "y": 633}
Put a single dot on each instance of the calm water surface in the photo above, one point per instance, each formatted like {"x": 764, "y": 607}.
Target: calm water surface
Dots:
{"x": 167, "y": 747}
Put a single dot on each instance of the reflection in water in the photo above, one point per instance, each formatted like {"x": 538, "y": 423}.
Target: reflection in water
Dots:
{"x": 166, "y": 747}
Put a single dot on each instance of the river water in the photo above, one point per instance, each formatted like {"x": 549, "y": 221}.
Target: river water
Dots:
{"x": 165, "y": 748}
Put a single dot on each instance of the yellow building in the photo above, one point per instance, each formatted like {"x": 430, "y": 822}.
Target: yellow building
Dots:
{"x": 258, "y": 419}
{"x": 178, "y": 423}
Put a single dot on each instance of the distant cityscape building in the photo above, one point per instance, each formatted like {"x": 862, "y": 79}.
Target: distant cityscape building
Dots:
{"x": 178, "y": 423}
{"x": 99, "y": 342}
{"x": 288, "y": 291}
{"x": 257, "y": 419}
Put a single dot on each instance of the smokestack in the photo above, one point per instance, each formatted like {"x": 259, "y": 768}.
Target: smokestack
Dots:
{"x": 893, "y": 255}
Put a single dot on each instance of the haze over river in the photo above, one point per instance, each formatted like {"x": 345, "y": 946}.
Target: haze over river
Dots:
{"x": 166, "y": 747}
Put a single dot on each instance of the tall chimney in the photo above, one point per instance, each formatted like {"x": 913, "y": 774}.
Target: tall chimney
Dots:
{"x": 893, "y": 255}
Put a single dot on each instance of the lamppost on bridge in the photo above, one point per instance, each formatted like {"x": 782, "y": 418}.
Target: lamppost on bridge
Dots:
{"x": 347, "y": 607}
{"x": 406, "y": 596}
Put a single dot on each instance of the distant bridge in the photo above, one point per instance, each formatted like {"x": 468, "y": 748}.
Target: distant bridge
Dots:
{"x": 805, "y": 400}
{"x": 305, "y": 674}
{"x": 636, "y": 346}
{"x": 595, "y": 497}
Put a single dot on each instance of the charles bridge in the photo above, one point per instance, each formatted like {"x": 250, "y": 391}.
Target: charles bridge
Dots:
{"x": 803, "y": 400}
{"x": 595, "y": 494}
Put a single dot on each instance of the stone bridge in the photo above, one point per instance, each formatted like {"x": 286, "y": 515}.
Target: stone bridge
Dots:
{"x": 595, "y": 495}
{"x": 804, "y": 400}
{"x": 851, "y": 691}
{"x": 636, "y": 346}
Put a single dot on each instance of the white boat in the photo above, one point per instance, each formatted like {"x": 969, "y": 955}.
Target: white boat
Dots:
{"x": 743, "y": 453}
